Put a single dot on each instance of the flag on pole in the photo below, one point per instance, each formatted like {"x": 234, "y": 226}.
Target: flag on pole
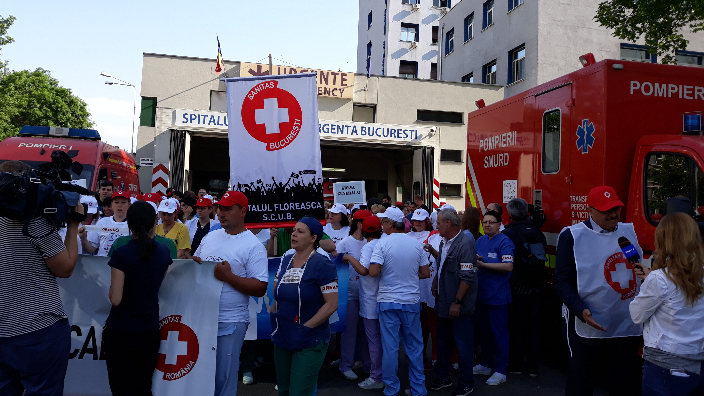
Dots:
{"x": 218, "y": 63}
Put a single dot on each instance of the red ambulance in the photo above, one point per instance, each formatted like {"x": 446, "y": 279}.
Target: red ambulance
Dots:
{"x": 634, "y": 126}
{"x": 100, "y": 160}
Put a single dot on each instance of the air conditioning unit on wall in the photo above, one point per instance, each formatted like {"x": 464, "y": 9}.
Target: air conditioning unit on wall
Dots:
{"x": 414, "y": 45}
{"x": 415, "y": 7}
{"x": 444, "y": 10}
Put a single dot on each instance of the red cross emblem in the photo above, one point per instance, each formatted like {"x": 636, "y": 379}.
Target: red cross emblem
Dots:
{"x": 272, "y": 115}
{"x": 620, "y": 275}
{"x": 179, "y": 349}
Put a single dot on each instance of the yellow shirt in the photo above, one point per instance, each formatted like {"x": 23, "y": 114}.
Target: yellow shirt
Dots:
{"x": 178, "y": 234}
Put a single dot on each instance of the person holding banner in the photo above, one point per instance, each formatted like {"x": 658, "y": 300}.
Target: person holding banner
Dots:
{"x": 244, "y": 270}
{"x": 305, "y": 294}
{"x": 99, "y": 243}
{"x": 400, "y": 262}
{"x": 131, "y": 337}
{"x": 352, "y": 246}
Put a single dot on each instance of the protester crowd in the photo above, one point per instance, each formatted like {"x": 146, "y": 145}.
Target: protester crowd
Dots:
{"x": 450, "y": 285}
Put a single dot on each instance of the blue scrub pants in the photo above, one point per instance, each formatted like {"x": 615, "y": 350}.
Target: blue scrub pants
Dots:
{"x": 409, "y": 323}
{"x": 227, "y": 359}
{"x": 493, "y": 332}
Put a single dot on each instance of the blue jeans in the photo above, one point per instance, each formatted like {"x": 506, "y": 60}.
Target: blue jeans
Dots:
{"x": 493, "y": 335}
{"x": 658, "y": 381}
{"x": 227, "y": 360}
{"x": 35, "y": 361}
{"x": 461, "y": 330}
{"x": 409, "y": 323}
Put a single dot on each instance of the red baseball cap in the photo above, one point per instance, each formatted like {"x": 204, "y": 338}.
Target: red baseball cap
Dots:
{"x": 204, "y": 202}
{"x": 371, "y": 224}
{"x": 603, "y": 198}
{"x": 234, "y": 197}
{"x": 152, "y": 197}
{"x": 362, "y": 213}
{"x": 120, "y": 194}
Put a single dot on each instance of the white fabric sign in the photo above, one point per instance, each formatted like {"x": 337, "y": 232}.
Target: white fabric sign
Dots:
{"x": 349, "y": 192}
{"x": 188, "y": 324}
{"x": 275, "y": 147}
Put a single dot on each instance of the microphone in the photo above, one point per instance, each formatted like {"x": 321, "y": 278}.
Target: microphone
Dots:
{"x": 629, "y": 251}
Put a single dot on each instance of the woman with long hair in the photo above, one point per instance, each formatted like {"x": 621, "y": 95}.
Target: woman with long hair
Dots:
{"x": 131, "y": 334}
{"x": 671, "y": 307}
{"x": 471, "y": 219}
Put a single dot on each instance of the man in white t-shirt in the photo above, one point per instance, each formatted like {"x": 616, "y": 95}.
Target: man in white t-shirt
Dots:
{"x": 244, "y": 270}
{"x": 113, "y": 227}
{"x": 400, "y": 262}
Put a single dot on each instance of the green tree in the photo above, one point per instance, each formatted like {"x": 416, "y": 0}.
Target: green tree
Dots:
{"x": 660, "y": 22}
{"x": 5, "y": 24}
{"x": 35, "y": 98}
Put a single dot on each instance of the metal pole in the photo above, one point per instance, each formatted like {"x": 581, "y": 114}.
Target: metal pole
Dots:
{"x": 271, "y": 67}
{"x": 134, "y": 116}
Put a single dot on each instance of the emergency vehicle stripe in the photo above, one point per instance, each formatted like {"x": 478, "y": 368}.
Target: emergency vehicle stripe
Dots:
{"x": 476, "y": 186}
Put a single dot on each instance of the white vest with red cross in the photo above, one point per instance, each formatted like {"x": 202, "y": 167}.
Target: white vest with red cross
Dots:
{"x": 606, "y": 281}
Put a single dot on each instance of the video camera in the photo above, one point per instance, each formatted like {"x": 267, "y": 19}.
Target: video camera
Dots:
{"x": 42, "y": 192}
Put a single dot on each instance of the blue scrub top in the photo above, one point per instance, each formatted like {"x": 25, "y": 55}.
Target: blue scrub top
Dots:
{"x": 494, "y": 287}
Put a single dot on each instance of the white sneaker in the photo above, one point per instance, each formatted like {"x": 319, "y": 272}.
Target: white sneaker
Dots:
{"x": 495, "y": 379}
{"x": 350, "y": 375}
{"x": 335, "y": 363}
{"x": 369, "y": 383}
{"x": 247, "y": 378}
{"x": 357, "y": 365}
{"x": 481, "y": 370}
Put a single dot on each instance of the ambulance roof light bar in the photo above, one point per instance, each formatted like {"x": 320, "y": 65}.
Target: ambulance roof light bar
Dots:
{"x": 587, "y": 59}
{"x": 60, "y": 132}
{"x": 692, "y": 123}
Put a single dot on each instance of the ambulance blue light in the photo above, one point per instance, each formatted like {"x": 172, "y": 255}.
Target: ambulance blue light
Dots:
{"x": 692, "y": 122}
{"x": 60, "y": 132}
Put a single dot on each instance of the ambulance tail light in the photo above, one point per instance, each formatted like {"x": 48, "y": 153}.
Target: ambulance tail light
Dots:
{"x": 60, "y": 132}
{"x": 480, "y": 103}
{"x": 587, "y": 59}
{"x": 692, "y": 123}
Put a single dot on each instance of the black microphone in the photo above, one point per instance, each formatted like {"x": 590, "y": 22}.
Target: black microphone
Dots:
{"x": 629, "y": 251}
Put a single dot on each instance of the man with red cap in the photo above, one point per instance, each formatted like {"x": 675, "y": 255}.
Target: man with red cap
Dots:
{"x": 243, "y": 268}
{"x": 597, "y": 284}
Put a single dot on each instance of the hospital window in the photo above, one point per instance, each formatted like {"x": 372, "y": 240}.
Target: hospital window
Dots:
{"x": 488, "y": 14}
{"x": 450, "y": 41}
{"x": 408, "y": 69}
{"x": 673, "y": 183}
{"x": 369, "y": 57}
{"x": 450, "y": 190}
{"x": 451, "y": 117}
{"x": 434, "y": 37}
{"x": 218, "y": 101}
{"x": 410, "y": 1}
{"x": 518, "y": 64}
{"x": 363, "y": 113}
{"x": 450, "y": 155}
{"x": 551, "y": 141}
{"x": 369, "y": 20}
{"x": 433, "y": 71}
{"x": 441, "y": 3}
{"x": 147, "y": 116}
{"x": 514, "y": 3}
{"x": 409, "y": 32}
{"x": 469, "y": 77}
{"x": 637, "y": 53}
{"x": 489, "y": 75}
{"x": 469, "y": 27}
{"x": 687, "y": 58}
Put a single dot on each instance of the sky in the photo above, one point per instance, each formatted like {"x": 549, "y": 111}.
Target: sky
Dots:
{"x": 77, "y": 40}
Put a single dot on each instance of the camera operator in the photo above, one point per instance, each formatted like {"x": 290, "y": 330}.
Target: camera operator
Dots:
{"x": 34, "y": 331}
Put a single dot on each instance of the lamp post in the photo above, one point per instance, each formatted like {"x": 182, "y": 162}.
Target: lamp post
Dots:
{"x": 134, "y": 109}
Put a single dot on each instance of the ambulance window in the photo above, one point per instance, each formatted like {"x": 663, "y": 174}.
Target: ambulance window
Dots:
{"x": 673, "y": 183}
{"x": 103, "y": 174}
{"x": 551, "y": 141}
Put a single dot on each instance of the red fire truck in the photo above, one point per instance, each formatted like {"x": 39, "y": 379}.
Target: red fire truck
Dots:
{"x": 100, "y": 160}
{"x": 634, "y": 126}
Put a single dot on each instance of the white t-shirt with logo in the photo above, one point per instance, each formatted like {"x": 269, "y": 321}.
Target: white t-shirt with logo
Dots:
{"x": 336, "y": 235}
{"x": 400, "y": 257}
{"x": 103, "y": 240}
{"x": 368, "y": 285}
{"x": 354, "y": 248}
{"x": 247, "y": 259}
{"x": 426, "y": 285}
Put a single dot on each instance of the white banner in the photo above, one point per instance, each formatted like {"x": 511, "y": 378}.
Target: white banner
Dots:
{"x": 275, "y": 147}
{"x": 349, "y": 192}
{"x": 188, "y": 324}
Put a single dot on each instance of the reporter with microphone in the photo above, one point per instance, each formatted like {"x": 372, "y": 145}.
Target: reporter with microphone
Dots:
{"x": 671, "y": 307}
{"x": 596, "y": 283}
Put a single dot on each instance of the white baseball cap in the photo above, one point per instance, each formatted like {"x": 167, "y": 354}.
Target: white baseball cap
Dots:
{"x": 420, "y": 214}
{"x": 338, "y": 208}
{"x": 153, "y": 204}
{"x": 447, "y": 206}
{"x": 169, "y": 205}
{"x": 91, "y": 202}
{"x": 133, "y": 200}
{"x": 210, "y": 197}
{"x": 392, "y": 213}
